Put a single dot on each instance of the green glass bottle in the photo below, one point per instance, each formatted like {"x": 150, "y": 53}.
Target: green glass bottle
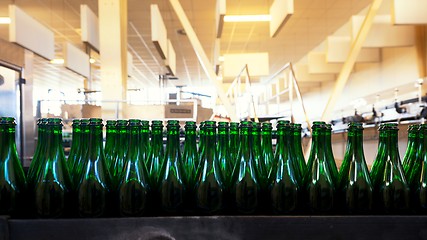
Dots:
{"x": 327, "y": 131}
{"x": 354, "y": 185}
{"x": 209, "y": 187}
{"x": 75, "y": 143}
{"x": 279, "y": 141}
{"x": 391, "y": 191}
{"x": 377, "y": 169}
{"x": 77, "y": 169}
{"x": 190, "y": 158}
{"x": 261, "y": 170}
{"x": 116, "y": 167}
{"x": 133, "y": 191}
{"x": 223, "y": 154}
{"x": 40, "y": 148}
{"x": 201, "y": 138}
{"x": 297, "y": 154}
{"x": 284, "y": 189}
{"x": 53, "y": 184}
{"x": 417, "y": 177}
{"x": 234, "y": 144}
{"x": 319, "y": 181}
{"x": 225, "y": 162}
{"x": 145, "y": 139}
{"x": 110, "y": 141}
{"x": 267, "y": 148}
{"x": 93, "y": 190}
{"x": 246, "y": 187}
{"x": 260, "y": 167}
{"x": 172, "y": 188}
{"x": 411, "y": 149}
{"x": 13, "y": 184}
{"x": 156, "y": 156}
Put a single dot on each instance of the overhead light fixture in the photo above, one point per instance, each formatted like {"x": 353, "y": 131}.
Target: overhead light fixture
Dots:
{"x": 58, "y": 61}
{"x": 247, "y": 18}
{"x": 5, "y": 20}
{"x": 92, "y": 61}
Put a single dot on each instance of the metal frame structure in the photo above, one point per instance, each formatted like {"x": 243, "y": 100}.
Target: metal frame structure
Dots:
{"x": 290, "y": 85}
{"x": 356, "y": 46}
{"x": 235, "y": 91}
{"x": 203, "y": 58}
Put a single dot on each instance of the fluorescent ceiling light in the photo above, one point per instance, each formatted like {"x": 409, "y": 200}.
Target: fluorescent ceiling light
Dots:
{"x": 57, "y": 61}
{"x": 92, "y": 61}
{"x": 5, "y": 20}
{"x": 247, "y": 18}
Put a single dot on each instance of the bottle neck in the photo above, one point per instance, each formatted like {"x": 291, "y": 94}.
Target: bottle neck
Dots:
{"x": 157, "y": 138}
{"x": 210, "y": 141}
{"x": 40, "y": 132}
{"x": 317, "y": 144}
{"x": 145, "y": 135}
{"x": 110, "y": 136}
{"x": 76, "y": 136}
{"x": 7, "y": 136}
{"x": 222, "y": 139}
{"x": 245, "y": 140}
{"x": 190, "y": 136}
{"x": 317, "y": 139}
{"x": 393, "y": 145}
{"x": 256, "y": 140}
{"x": 172, "y": 142}
{"x": 84, "y": 136}
{"x": 95, "y": 139}
{"x": 55, "y": 134}
{"x": 134, "y": 138}
{"x": 422, "y": 140}
{"x": 122, "y": 139}
{"x": 327, "y": 138}
{"x": 297, "y": 137}
{"x": 281, "y": 139}
{"x": 234, "y": 135}
{"x": 266, "y": 139}
{"x": 355, "y": 141}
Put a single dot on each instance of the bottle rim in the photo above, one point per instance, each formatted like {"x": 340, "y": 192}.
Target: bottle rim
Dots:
{"x": 54, "y": 121}
{"x": 7, "y": 121}
{"x": 121, "y": 122}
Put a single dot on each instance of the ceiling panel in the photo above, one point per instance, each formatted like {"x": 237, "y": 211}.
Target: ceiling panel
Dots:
{"x": 311, "y": 23}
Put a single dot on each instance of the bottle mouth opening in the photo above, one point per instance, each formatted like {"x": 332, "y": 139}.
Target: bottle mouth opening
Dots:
{"x": 54, "y": 121}
{"x": 111, "y": 123}
{"x": 7, "y": 121}
{"x": 134, "y": 122}
{"x": 173, "y": 122}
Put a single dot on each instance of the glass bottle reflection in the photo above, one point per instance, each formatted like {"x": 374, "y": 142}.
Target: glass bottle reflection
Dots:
{"x": 209, "y": 187}
{"x": 245, "y": 187}
{"x": 53, "y": 185}
{"x": 13, "y": 184}
{"x": 133, "y": 191}
{"x": 172, "y": 188}
{"x": 355, "y": 186}
{"x": 94, "y": 185}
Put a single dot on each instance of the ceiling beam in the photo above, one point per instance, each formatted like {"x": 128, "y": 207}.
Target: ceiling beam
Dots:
{"x": 356, "y": 46}
{"x": 421, "y": 42}
{"x": 203, "y": 59}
